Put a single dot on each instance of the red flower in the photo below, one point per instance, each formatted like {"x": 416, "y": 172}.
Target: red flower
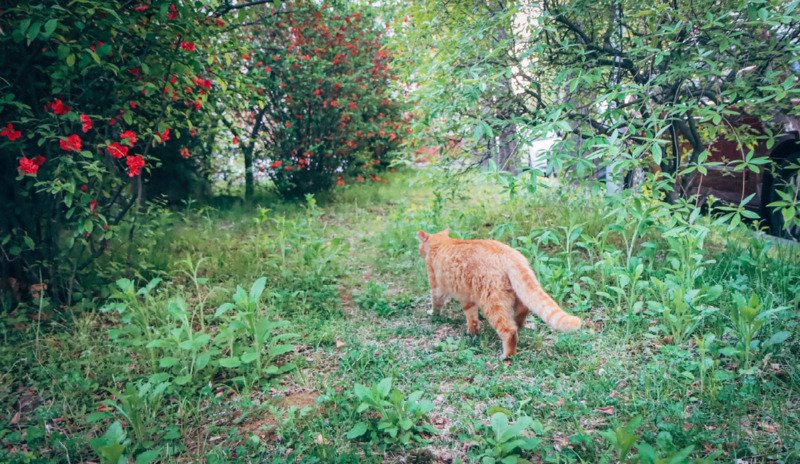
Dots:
{"x": 267, "y": 69}
{"x": 173, "y": 12}
{"x": 58, "y": 107}
{"x": 340, "y": 182}
{"x": 39, "y": 160}
{"x": 193, "y": 132}
{"x": 392, "y": 136}
{"x": 135, "y": 165}
{"x": 220, "y": 22}
{"x": 275, "y": 164}
{"x": 71, "y": 143}
{"x": 318, "y": 92}
{"x": 184, "y": 152}
{"x": 117, "y": 150}
{"x": 164, "y": 136}
{"x": 10, "y": 132}
{"x": 87, "y": 123}
{"x": 188, "y": 46}
{"x": 130, "y": 136}
{"x": 133, "y": 105}
{"x": 287, "y": 124}
{"x": 84, "y": 188}
{"x": 92, "y": 205}
{"x": 141, "y": 8}
{"x": 28, "y": 166}
{"x": 382, "y": 132}
{"x": 235, "y": 140}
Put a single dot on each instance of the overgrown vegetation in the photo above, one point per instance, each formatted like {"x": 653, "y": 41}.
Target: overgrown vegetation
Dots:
{"x": 242, "y": 341}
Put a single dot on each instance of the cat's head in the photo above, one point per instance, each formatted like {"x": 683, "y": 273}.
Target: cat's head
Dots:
{"x": 425, "y": 240}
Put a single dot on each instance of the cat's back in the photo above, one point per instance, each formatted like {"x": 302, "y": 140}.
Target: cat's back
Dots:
{"x": 483, "y": 252}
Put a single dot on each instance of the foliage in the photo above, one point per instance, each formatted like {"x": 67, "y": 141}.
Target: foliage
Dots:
{"x": 97, "y": 96}
{"x": 396, "y": 418}
{"x": 505, "y": 443}
{"x": 324, "y": 106}
{"x": 623, "y": 87}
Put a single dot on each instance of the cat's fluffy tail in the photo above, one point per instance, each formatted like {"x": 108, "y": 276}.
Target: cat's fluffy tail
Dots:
{"x": 532, "y": 295}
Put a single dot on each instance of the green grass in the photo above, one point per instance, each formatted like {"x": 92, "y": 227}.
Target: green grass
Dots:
{"x": 344, "y": 276}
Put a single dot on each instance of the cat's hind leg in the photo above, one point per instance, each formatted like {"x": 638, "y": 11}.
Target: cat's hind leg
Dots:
{"x": 500, "y": 315}
{"x": 520, "y": 313}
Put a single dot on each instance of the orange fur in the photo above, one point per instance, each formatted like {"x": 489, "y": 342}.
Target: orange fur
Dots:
{"x": 493, "y": 276}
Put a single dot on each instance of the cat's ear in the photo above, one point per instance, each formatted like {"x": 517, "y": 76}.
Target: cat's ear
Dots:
{"x": 422, "y": 236}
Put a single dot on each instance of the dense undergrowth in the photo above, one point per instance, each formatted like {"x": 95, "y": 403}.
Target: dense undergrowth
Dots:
{"x": 298, "y": 333}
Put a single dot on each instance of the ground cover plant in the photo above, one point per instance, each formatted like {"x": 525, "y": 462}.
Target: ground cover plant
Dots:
{"x": 300, "y": 333}
{"x": 210, "y": 211}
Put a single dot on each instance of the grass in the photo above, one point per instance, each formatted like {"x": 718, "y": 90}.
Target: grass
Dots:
{"x": 661, "y": 370}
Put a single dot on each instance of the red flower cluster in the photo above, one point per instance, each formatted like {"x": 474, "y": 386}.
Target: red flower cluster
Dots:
{"x": 9, "y": 132}
{"x": 117, "y": 150}
{"x": 173, "y": 12}
{"x": 87, "y": 123}
{"x": 141, "y": 8}
{"x": 235, "y": 140}
{"x": 188, "y": 46}
{"x": 185, "y": 152}
{"x": 275, "y": 164}
{"x": 204, "y": 83}
{"x": 164, "y": 136}
{"x": 135, "y": 165}
{"x": 58, "y": 107}
{"x": 71, "y": 143}
{"x": 130, "y": 136}
{"x": 31, "y": 166}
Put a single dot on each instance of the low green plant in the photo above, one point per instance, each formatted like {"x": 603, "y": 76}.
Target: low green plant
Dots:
{"x": 624, "y": 439}
{"x": 393, "y": 418}
{"x": 141, "y": 404}
{"x": 682, "y": 311}
{"x": 748, "y": 317}
{"x": 507, "y": 442}
{"x": 250, "y": 335}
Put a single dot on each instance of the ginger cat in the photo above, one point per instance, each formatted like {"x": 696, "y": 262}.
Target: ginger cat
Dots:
{"x": 493, "y": 276}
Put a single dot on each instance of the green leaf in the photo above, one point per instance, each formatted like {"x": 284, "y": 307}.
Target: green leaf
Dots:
{"x": 148, "y": 456}
{"x": 257, "y": 289}
{"x": 384, "y": 386}
{"x": 50, "y": 27}
{"x": 657, "y": 153}
{"x": 183, "y": 379}
{"x": 278, "y": 350}
{"x": 357, "y": 430}
{"x": 249, "y": 357}
{"x": 168, "y": 361}
{"x": 225, "y": 307}
{"x": 71, "y": 60}
{"x": 202, "y": 360}
{"x": 33, "y": 32}
{"x": 778, "y": 338}
{"x": 231, "y": 363}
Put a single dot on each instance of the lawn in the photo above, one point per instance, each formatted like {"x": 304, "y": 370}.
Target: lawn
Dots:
{"x": 297, "y": 332}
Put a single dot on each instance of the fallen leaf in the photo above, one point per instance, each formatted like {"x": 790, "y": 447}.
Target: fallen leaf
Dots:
{"x": 15, "y": 419}
{"x": 607, "y": 410}
{"x": 340, "y": 343}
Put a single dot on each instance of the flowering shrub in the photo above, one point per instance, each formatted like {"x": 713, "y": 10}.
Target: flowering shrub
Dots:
{"x": 88, "y": 97}
{"x": 323, "y": 106}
